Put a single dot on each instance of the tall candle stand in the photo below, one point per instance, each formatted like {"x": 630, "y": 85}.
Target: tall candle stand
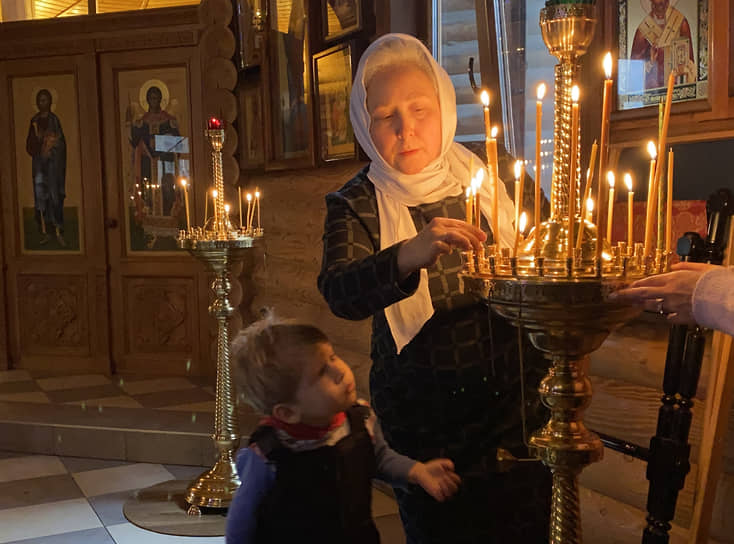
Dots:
{"x": 561, "y": 295}
{"x": 219, "y": 245}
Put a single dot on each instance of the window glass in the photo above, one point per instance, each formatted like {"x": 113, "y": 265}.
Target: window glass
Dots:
{"x": 454, "y": 41}
{"x": 20, "y": 10}
{"x": 524, "y": 63}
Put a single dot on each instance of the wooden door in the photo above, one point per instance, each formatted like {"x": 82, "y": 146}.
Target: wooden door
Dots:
{"x": 53, "y": 233}
{"x": 153, "y": 137}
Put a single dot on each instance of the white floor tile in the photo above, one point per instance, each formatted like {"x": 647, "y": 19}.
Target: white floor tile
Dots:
{"x": 205, "y": 406}
{"x": 72, "y": 382}
{"x": 38, "y": 397}
{"x": 46, "y": 519}
{"x": 112, "y": 402}
{"x": 17, "y": 375}
{"x": 140, "y": 387}
{"x": 112, "y": 480}
{"x": 34, "y": 466}
{"x": 127, "y": 533}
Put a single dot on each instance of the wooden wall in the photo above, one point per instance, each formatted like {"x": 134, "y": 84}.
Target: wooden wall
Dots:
{"x": 284, "y": 279}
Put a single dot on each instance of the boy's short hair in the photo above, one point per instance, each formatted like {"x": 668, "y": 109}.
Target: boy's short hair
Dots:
{"x": 267, "y": 359}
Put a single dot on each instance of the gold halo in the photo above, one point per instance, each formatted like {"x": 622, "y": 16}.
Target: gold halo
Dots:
{"x": 54, "y": 96}
{"x": 165, "y": 95}
{"x": 646, "y": 5}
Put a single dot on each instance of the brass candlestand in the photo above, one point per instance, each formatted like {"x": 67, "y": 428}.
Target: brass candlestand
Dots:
{"x": 219, "y": 245}
{"x": 559, "y": 296}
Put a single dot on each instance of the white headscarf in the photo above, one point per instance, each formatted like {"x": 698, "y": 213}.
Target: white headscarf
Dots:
{"x": 447, "y": 175}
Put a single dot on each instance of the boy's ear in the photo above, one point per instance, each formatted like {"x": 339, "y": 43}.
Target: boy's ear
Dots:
{"x": 287, "y": 413}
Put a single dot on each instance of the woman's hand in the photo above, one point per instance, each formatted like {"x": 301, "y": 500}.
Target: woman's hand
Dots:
{"x": 436, "y": 477}
{"x": 672, "y": 292}
{"x": 439, "y": 237}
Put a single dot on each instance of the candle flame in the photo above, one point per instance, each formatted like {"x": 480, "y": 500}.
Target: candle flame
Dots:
{"x": 494, "y": 132}
{"x": 523, "y": 222}
{"x": 484, "y": 97}
{"x": 249, "y": 197}
{"x": 183, "y": 182}
{"x": 589, "y": 205}
{"x": 518, "y": 169}
{"x": 541, "y": 91}
{"x": 215, "y": 193}
{"x": 575, "y": 93}
{"x": 226, "y": 208}
{"x": 608, "y": 65}
{"x": 628, "y": 181}
{"x": 480, "y": 176}
{"x": 652, "y": 149}
{"x": 257, "y": 194}
{"x": 468, "y": 189}
{"x": 610, "y": 179}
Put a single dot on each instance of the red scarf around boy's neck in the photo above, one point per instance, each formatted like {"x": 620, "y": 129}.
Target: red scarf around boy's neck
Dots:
{"x": 302, "y": 431}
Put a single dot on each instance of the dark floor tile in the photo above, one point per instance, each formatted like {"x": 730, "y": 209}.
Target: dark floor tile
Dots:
{"x": 174, "y": 397}
{"x": 18, "y": 387}
{"x": 80, "y": 464}
{"x": 85, "y": 393}
{"x": 98, "y": 535}
{"x": 185, "y": 472}
{"x": 109, "y": 507}
{"x": 17, "y": 493}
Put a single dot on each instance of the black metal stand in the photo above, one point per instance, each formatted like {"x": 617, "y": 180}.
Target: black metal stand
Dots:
{"x": 668, "y": 458}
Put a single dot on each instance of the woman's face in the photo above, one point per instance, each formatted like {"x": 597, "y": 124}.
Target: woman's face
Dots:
{"x": 405, "y": 117}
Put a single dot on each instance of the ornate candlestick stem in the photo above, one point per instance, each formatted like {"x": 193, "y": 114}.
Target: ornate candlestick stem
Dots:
{"x": 219, "y": 245}
{"x": 215, "y": 487}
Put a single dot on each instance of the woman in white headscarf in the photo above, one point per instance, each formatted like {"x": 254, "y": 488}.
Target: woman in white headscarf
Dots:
{"x": 445, "y": 378}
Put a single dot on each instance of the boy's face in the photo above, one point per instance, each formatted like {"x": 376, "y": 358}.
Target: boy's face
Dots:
{"x": 327, "y": 387}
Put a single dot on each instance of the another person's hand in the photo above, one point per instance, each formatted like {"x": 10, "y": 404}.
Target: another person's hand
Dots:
{"x": 436, "y": 477}
{"x": 439, "y": 237}
{"x": 669, "y": 293}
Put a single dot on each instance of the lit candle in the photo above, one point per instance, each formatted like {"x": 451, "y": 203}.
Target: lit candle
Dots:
{"x": 610, "y": 212}
{"x": 519, "y": 182}
{"x": 215, "y": 194}
{"x": 669, "y": 207}
{"x": 478, "y": 179}
{"x": 652, "y": 199}
{"x": 590, "y": 173}
{"x": 664, "y": 132}
{"x": 469, "y": 202}
{"x": 494, "y": 179}
{"x": 226, "y": 212}
{"x": 538, "y": 169}
{"x": 572, "y": 168}
{"x": 630, "y": 202}
{"x": 186, "y": 203}
{"x": 249, "y": 206}
{"x": 484, "y": 97}
{"x": 603, "y": 149}
{"x": 589, "y": 209}
{"x": 257, "y": 205}
{"x": 586, "y": 216}
{"x": 239, "y": 202}
{"x": 523, "y": 222}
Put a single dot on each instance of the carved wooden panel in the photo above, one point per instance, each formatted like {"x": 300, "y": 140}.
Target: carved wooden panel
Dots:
{"x": 159, "y": 315}
{"x": 53, "y": 314}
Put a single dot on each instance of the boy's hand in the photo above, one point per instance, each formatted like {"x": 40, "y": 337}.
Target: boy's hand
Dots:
{"x": 437, "y": 477}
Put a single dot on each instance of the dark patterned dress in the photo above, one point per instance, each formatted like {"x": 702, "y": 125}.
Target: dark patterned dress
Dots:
{"x": 454, "y": 390}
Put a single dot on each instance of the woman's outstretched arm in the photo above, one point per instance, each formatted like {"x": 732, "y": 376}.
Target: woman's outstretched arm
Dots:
{"x": 357, "y": 280}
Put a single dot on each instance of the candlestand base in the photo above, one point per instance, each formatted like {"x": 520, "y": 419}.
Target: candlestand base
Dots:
{"x": 566, "y": 320}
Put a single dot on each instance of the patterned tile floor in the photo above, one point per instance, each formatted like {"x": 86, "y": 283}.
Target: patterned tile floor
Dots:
{"x": 60, "y": 499}
{"x": 70, "y": 500}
